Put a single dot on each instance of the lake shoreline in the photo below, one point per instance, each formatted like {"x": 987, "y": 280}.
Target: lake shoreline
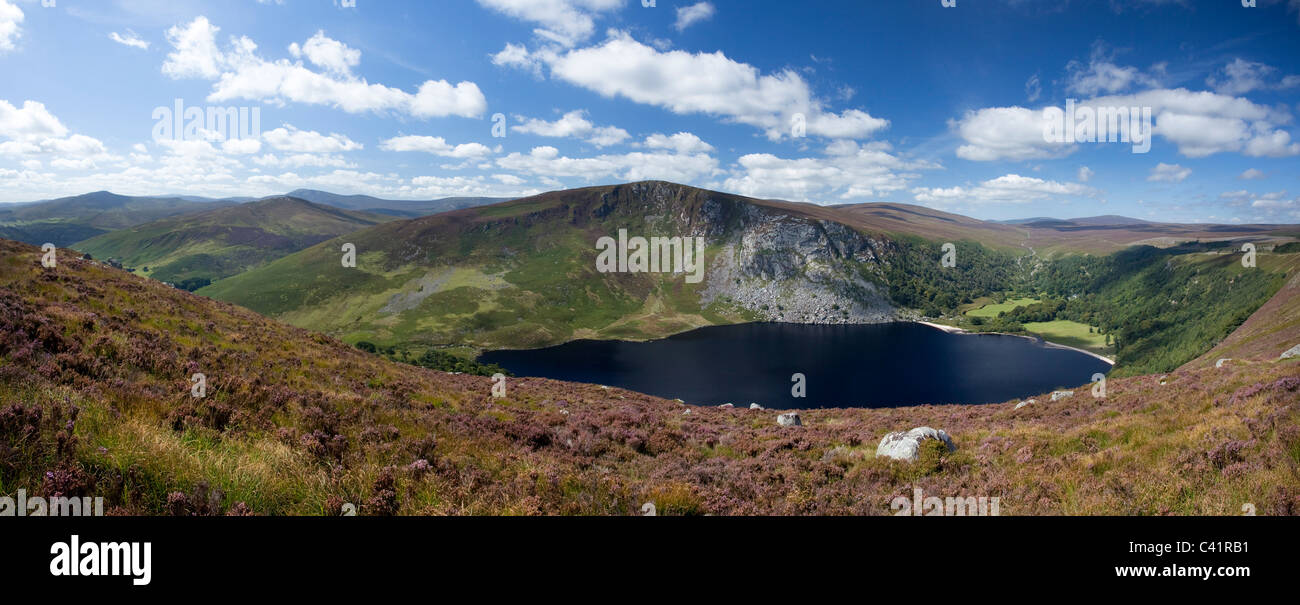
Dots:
{"x": 956, "y": 330}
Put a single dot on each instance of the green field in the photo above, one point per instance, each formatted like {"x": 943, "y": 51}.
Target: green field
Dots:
{"x": 990, "y": 311}
{"x": 1070, "y": 334}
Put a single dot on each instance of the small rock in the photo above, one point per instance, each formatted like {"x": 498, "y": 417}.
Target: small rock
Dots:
{"x": 789, "y": 419}
{"x": 1292, "y": 352}
{"x": 1025, "y": 403}
{"x": 726, "y": 406}
{"x": 1164, "y": 380}
{"x": 1059, "y": 395}
{"x": 686, "y": 412}
{"x": 1221, "y": 362}
{"x": 755, "y": 406}
{"x": 907, "y": 445}
{"x": 841, "y": 451}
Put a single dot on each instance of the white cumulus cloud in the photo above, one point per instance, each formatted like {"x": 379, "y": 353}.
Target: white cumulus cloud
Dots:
{"x": 574, "y": 124}
{"x": 436, "y": 146}
{"x": 11, "y": 18}
{"x": 239, "y": 72}
{"x": 704, "y": 83}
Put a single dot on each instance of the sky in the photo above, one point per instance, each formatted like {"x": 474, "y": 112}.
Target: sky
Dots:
{"x": 822, "y": 101}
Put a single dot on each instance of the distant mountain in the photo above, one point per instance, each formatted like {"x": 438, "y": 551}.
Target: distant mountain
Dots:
{"x": 1047, "y": 236}
{"x": 65, "y": 221}
{"x": 1024, "y": 221}
{"x": 403, "y": 208}
{"x": 208, "y": 246}
{"x": 1109, "y": 219}
{"x": 1095, "y": 221}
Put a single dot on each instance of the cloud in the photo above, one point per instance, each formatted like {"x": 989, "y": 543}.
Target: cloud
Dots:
{"x": 1169, "y": 173}
{"x": 1240, "y": 77}
{"x": 1102, "y": 75}
{"x": 518, "y": 57}
{"x": 574, "y": 125}
{"x": 1033, "y": 89}
{"x": 848, "y": 171}
{"x": 1085, "y": 174}
{"x": 130, "y": 39}
{"x": 682, "y": 142}
{"x": 695, "y": 13}
{"x": 32, "y": 131}
{"x": 239, "y": 73}
{"x": 291, "y": 139}
{"x": 703, "y": 83}
{"x": 1008, "y": 189}
{"x": 195, "y": 53}
{"x": 1006, "y": 133}
{"x": 32, "y": 121}
{"x": 436, "y": 146}
{"x": 546, "y": 161}
{"x": 302, "y": 160}
{"x": 564, "y": 22}
{"x": 331, "y": 55}
{"x": 10, "y": 30}
{"x": 1251, "y": 174}
{"x": 1200, "y": 123}
{"x": 1276, "y": 203}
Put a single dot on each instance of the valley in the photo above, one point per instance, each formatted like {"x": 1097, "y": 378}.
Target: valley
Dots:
{"x": 95, "y": 382}
{"x": 525, "y": 274}
{"x": 368, "y": 393}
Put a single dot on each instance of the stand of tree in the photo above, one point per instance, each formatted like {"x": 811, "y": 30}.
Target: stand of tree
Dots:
{"x": 1160, "y": 308}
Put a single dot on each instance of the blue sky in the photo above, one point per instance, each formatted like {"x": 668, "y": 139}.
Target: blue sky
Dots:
{"x": 826, "y": 101}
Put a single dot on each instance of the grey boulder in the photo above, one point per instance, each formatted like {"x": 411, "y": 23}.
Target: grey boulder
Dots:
{"x": 907, "y": 445}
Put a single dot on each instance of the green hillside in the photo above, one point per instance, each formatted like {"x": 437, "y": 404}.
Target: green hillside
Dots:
{"x": 65, "y": 221}
{"x": 523, "y": 273}
{"x": 219, "y": 243}
{"x": 515, "y": 274}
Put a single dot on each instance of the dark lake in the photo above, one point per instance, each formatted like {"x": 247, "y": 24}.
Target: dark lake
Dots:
{"x": 874, "y": 365}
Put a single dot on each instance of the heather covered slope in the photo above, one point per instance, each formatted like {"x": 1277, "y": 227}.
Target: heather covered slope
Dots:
{"x": 223, "y": 242}
{"x": 95, "y": 400}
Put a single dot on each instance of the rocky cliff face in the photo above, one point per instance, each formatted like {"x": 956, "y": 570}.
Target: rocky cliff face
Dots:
{"x": 779, "y": 265}
{"x": 799, "y": 270}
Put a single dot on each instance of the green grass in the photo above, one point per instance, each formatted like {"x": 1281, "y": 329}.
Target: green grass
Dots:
{"x": 1070, "y": 334}
{"x": 992, "y": 310}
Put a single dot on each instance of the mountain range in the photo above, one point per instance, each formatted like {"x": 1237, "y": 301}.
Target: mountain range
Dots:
{"x": 66, "y": 221}
{"x": 207, "y": 246}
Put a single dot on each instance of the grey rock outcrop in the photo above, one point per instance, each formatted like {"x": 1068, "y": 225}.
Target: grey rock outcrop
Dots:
{"x": 907, "y": 445}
